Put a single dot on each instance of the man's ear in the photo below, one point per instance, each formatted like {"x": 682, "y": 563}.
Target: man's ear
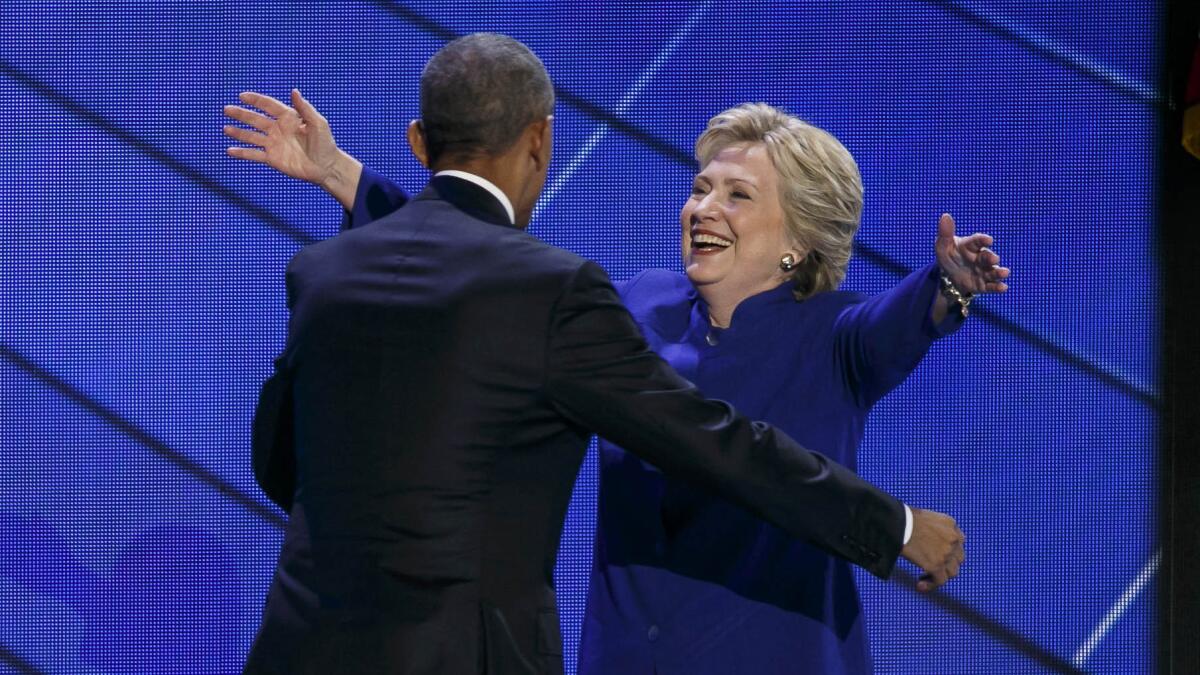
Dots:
{"x": 542, "y": 141}
{"x": 416, "y": 142}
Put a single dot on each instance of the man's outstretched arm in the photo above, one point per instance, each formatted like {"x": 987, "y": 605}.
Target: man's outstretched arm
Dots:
{"x": 603, "y": 376}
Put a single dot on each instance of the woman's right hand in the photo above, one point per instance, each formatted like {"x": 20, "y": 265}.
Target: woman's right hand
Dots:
{"x": 295, "y": 140}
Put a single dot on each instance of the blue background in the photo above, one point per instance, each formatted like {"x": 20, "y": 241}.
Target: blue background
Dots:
{"x": 141, "y": 289}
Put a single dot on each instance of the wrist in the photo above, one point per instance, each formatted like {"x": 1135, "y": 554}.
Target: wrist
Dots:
{"x": 341, "y": 181}
{"x": 956, "y": 297}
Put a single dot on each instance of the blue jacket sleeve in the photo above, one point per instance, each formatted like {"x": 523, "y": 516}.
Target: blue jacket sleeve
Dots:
{"x": 882, "y": 339}
{"x": 376, "y": 197}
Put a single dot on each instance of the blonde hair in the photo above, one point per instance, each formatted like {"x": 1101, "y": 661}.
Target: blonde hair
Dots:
{"x": 820, "y": 188}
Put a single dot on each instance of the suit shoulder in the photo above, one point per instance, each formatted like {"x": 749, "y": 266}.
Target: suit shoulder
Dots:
{"x": 306, "y": 253}
{"x": 523, "y": 255}
{"x": 546, "y": 255}
{"x": 504, "y": 243}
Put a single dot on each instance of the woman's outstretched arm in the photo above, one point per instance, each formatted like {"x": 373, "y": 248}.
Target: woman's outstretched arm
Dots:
{"x": 881, "y": 339}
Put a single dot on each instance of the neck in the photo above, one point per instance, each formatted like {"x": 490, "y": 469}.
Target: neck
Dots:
{"x": 720, "y": 305}
{"x": 723, "y": 300}
{"x": 497, "y": 170}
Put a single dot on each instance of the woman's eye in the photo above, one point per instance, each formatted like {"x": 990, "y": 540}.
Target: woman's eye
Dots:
{"x": 741, "y": 195}
{"x": 697, "y": 190}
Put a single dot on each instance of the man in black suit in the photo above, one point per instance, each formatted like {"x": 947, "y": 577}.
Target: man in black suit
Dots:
{"x": 443, "y": 373}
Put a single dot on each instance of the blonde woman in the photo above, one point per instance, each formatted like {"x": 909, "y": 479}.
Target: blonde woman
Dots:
{"x": 683, "y": 581}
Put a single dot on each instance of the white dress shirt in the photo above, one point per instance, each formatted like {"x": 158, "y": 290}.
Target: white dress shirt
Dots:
{"x": 486, "y": 185}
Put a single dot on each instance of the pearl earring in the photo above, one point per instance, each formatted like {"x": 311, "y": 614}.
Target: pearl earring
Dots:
{"x": 787, "y": 263}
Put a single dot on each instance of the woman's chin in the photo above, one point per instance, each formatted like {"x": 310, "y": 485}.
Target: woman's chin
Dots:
{"x": 701, "y": 274}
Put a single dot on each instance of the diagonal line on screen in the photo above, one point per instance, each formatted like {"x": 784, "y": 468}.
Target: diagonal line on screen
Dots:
{"x": 1037, "y": 342}
{"x": 18, "y": 664}
{"x": 148, "y": 149}
{"x": 993, "y": 628}
{"x": 143, "y": 437}
{"x": 622, "y": 109}
{"x": 875, "y": 257}
{"x": 659, "y": 145}
{"x": 1131, "y": 593}
{"x": 584, "y": 106}
{"x": 580, "y": 103}
{"x": 1053, "y": 51}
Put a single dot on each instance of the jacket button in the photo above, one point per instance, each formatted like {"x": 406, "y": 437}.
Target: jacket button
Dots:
{"x": 652, "y": 634}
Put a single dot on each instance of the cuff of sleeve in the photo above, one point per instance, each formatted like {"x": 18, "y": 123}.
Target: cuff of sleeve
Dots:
{"x": 953, "y": 319}
{"x": 908, "y": 525}
{"x": 357, "y": 214}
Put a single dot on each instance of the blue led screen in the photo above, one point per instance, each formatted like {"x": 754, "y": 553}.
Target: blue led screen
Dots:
{"x": 141, "y": 289}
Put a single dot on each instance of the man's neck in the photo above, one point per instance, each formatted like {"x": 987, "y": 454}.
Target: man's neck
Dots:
{"x": 487, "y": 185}
{"x": 495, "y": 170}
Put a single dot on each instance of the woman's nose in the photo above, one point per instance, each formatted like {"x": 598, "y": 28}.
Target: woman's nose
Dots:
{"x": 706, "y": 209}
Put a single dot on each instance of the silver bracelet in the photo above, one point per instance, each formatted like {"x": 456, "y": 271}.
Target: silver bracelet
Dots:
{"x": 956, "y": 296}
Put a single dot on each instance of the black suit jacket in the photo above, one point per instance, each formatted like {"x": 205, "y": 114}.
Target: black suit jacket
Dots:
{"x": 442, "y": 376}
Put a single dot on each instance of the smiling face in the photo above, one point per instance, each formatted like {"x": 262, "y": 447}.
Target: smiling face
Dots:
{"x": 733, "y": 225}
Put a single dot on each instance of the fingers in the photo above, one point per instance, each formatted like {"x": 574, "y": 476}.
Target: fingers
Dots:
{"x": 946, "y": 226}
{"x": 246, "y": 136}
{"x": 988, "y": 272}
{"x": 993, "y": 277}
{"x": 977, "y": 242}
{"x": 987, "y": 257}
{"x": 931, "y": 581}
{"x": 267, "y": 104}
{"x": 955, "y": 555}
{"x": 247, "y": 153}
{"x": 994, "y": 280}
{"x": 248, "y": 117}
{"x": 937, "y": 577}
{"x": 307, "y": 112}
{"x": 955, "y": 561}
{"x": 939, "y": 551}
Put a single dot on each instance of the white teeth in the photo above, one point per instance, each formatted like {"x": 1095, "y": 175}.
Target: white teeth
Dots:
{"x": 701, "y": 238}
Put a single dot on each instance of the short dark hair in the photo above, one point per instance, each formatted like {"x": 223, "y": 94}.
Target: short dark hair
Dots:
{"x": 478, "y": 93}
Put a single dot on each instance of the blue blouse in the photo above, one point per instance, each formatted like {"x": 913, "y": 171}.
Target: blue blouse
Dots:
{"x": 683, "y": 582}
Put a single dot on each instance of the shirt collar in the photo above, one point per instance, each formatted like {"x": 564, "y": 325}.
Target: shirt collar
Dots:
{"x": 750, "y": 310}
{"x": 486, "y": 185}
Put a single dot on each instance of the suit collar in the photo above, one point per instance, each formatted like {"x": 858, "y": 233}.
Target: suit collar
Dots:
{"x": 468, "y": 197}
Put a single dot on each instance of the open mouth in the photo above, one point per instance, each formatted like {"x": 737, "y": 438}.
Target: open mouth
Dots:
{"x": 704, "y": 242}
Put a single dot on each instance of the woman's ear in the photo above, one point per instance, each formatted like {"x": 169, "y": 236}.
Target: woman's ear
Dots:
{"x": 416, "y": 142}
{"x": 790, "y": 260}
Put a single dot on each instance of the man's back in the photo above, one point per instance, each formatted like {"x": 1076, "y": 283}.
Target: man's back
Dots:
{"x": 432, "y": 474}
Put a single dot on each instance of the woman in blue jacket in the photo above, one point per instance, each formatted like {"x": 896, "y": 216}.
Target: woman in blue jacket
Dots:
{"x": 682, "y": 581}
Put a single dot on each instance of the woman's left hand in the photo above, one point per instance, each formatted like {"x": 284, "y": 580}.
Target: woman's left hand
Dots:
{"x": 971, "y": 265}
